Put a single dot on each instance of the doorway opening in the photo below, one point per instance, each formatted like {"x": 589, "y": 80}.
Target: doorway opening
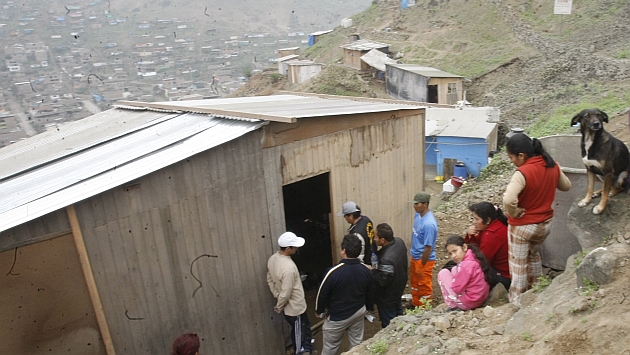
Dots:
{"x": 307, "y": 211}
{"x": 433, "y": 94}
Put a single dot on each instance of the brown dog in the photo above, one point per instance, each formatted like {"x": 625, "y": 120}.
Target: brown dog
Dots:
{"x": 604, "y": 156}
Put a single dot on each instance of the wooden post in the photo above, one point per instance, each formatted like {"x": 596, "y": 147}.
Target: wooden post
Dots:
{"x": 89, "y": 280}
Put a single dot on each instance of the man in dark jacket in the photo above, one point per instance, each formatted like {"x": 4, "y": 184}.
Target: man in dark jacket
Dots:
{"x": 391, "y": 273}
{"x": 345, "y": 294}
{"x": 362, "y": 226}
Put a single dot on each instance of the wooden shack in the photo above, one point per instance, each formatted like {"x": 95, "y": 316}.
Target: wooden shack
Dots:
{"x": 353, "y": 51}
{"x": 423, "y": 84}
{"x": 283, "y": 52}
{"x": 123, "y": 230}
{"x": 299, "y": 71}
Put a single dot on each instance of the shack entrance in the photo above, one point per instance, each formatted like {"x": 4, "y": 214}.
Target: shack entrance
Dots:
{"x": 433, "y": 94}
{"x": 307, "y": 211}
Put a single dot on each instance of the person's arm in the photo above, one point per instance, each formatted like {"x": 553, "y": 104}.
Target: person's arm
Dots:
{"x": 461, "y": 278}
{"x": 490, "y": 246}
{"x": 510, "y": 197}
{"x": 472, "y": 236}
{"x": 272, "y": 286}
{"x": 384, "y": 275}
{"x": 564, "y": 184}
{"x": 323, "y": 297}
{"x": 285, "y": 290}
{"x": 426, "y": 254}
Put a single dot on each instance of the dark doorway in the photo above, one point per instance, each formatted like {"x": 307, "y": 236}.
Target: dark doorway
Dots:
{"x": 433, "y": 94}
{"x": 307, "y": 210}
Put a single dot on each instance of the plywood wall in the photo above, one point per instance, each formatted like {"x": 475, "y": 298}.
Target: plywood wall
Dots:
{"x": 44, "y": 304}
{"x": 379, "y": 166}
{"x": 185, "y": 250}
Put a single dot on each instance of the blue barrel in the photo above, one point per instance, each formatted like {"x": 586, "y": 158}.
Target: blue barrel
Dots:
{"x": 460, "y": 170}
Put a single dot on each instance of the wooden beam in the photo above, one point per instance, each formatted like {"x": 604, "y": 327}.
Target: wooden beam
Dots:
{"x": 89, "y": 280}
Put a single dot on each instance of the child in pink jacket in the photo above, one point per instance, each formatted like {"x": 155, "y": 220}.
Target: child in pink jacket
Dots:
{"x": 466, "y": 285}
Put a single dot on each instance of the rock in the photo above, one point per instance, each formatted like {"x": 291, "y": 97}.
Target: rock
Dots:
{"x": 528, "y": 298}
{"x": 441, "y": 323}
{"x": 423, "y": 351}
{"x": 499, "y": 329}
{"x": 408, "y": 319}
{"x": 473, "y": 323}
{"x": 596, "y": 267}
{"x": 425, "y": 330}
{"x": 498, "y": 295}
{"x": 484, "y": 332}
{"x": 489, "y": 312}
{"x": 454, "y": 345}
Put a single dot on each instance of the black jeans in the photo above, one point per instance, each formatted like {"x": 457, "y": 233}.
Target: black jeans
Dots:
{"x": 386, "y": 314}
{"x": 300, "y": 333}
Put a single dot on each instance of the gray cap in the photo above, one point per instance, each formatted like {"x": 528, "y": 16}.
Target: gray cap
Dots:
{"x": 421, "y": 197}
{"x": 348, "y": 207}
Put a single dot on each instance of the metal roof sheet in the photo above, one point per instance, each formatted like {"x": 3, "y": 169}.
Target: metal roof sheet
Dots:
{"x": 377, "y": 59}
{"x": 319, "y": 33}
{"x": 283, "y": 108}
{"x": 286, "y": 57}
{"x": 364, "y": 45}
{"x": 81, "y": 159}
{"x": 469, "y": 123}
{"x": 424, "y": 71}
{"x": 106, "y": 160}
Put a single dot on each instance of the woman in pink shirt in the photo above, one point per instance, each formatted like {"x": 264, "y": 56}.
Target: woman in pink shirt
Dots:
{"x": 466, "y": 285}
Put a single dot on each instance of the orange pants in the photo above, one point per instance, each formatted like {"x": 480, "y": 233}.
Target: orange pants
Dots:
{"x": 421, "y": 280}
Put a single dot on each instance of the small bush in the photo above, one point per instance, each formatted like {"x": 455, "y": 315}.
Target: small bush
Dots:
{"x": 543, "y": 282}
{"x": 378, "y": 347}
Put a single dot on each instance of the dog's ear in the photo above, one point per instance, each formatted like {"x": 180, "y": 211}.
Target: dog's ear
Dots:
{"x": 576, "y": 119}
{"x": 603, "y": 115}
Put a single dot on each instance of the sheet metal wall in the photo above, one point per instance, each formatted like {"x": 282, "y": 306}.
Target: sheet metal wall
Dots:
{"x": 379, "y": 166}
{"x": 405, "y": 85}
{"x": 203, "y": 218}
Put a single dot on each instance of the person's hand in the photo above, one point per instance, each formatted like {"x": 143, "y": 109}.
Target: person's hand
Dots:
{"x": 521, "y": 213}
{"x": 472, "y": 231}
{"x": 321, "y": 315}
{"x": 277, "y": 310}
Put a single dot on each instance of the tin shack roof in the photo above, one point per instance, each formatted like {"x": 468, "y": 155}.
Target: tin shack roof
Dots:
{"x": 424, "y": 71}
{"x": 468, "y": 122}
{"x": 81, "y": 159}
{"x": 364, "y": 45}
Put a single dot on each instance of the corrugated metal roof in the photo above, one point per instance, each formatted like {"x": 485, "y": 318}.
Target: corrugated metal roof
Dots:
{"x": 424, "y": 71}
{"x": 99, "y": 156}
{"x": 283, "y": 108}
{"x": 445, "y": 122}
{"x": 319, "y": 33}
{"x": 364, "y": 45}
{"x": 81, "y": 159}
{"x": 286, "y": 57}
{"x": 303, "y": 62}
{"x": 377, "y": 59}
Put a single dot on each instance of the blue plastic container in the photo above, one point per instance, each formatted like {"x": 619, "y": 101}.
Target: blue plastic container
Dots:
{"x": 460, "y": 170}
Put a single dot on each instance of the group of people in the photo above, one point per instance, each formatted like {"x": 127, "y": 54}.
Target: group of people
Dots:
{"x": 374, "y": 269}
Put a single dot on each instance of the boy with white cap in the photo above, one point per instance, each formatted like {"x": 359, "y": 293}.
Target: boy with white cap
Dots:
{"x": 285, "y": 284}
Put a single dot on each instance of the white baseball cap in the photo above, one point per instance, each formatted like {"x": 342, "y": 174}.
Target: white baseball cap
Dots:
{"x": 289, "y": 239}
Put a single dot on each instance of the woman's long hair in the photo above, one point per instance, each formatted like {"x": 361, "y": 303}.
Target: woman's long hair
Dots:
{"x": 486, "y": 210}
{"x": 521, "y": 143}
{"x": 485, "y": 265}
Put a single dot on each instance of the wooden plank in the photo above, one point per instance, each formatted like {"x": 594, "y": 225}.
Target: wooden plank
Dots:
{"x": 89, "y": 280}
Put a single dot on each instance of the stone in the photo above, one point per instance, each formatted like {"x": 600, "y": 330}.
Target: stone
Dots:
{"x": 408, "y": 319}
{"x": 484, "y": 332}
{"x": 489, "y": 312}
{"x": 454, "y": 345}
{"x": 441, "y": 323}
{"x": 498, "y": 295}
{"x": 596, "y": 267}
{"x": 423, "y": 351}
{"x": 499, "y": 329}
